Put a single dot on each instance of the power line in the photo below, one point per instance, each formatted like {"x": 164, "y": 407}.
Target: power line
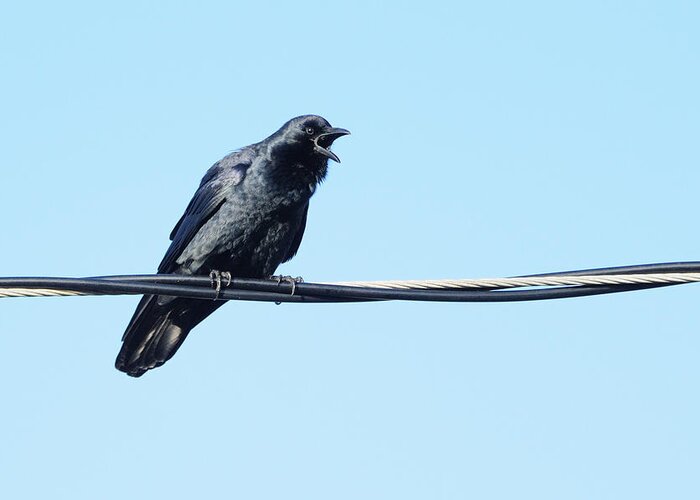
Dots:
{"x": 523, "y": 288}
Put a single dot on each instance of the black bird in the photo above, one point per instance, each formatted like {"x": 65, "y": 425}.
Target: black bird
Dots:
{"x": 247, "y": 217}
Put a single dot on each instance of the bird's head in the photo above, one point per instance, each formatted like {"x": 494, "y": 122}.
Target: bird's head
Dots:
{"x": 313, "y": 135}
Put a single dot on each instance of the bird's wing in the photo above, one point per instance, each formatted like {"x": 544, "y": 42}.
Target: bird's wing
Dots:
{"x": 210, "y": 195}
{"x": 294, "y": 248}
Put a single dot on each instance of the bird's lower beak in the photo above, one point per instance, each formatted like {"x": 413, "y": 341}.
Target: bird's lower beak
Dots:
{"x": 324, "y": 141}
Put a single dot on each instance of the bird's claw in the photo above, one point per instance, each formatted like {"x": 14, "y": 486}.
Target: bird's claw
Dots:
{"x": 216, "y": 281}
{"x": 289, "y": 279}
{"x": 228, "y": 277}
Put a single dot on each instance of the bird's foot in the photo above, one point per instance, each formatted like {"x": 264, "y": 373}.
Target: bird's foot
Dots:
{"x": 289, "y": 279}
{"x": 216, "y": 277}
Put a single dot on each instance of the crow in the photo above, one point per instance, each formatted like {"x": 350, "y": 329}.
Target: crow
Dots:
{"x": 246, "y": 218}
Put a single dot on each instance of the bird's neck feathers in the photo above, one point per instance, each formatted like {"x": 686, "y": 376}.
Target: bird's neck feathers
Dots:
{"x": 294, "y": 163}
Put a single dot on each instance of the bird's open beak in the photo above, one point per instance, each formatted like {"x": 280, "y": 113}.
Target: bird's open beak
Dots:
{"x": 324, "y": 141}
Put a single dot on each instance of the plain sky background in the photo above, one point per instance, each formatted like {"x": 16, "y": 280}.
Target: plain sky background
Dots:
{"x": 489, "y": 139}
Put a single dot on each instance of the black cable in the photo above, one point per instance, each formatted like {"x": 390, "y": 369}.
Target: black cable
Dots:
{"x": 199, "y": 287}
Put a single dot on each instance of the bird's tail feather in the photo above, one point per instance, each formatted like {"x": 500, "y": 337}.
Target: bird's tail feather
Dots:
{"x": 157, "y": 330}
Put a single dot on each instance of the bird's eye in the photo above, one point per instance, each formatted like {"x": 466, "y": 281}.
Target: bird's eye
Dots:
{"x": 310, "y": 130}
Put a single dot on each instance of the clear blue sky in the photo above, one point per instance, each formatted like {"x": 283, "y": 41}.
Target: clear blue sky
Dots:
{"x": 489, "y": 139}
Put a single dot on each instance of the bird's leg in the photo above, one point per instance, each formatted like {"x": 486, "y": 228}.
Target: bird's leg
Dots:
{"x": 288, "y": 279}
{"x": 216, "y": 280}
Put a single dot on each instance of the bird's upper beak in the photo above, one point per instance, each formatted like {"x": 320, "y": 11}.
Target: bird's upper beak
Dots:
{"x": 324, "y": 141}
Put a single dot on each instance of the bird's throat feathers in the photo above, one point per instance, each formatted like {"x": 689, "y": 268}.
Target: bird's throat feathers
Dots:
{"x": 294, "y": 164}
